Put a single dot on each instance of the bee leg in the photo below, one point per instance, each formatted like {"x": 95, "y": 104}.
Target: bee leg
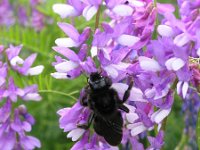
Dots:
{"x": 124, "y": 108}
{"x": 87, "y": 125}
{"x": 127, "y": 92}
{"x": 83, "y": 100}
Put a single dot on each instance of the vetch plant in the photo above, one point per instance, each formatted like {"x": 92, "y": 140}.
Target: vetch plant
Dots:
{"x": 137, "y": 39}
{"x": 19, "y": 14}
{"x": 15, "y": 121}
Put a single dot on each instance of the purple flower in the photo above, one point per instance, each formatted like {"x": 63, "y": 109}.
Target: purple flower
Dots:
{"x": 37, "y": 20}
{"x": 112, "y": 62}
{"x": 156, "y": 142}
{"x": 16, "y": 121}
{"x": 75, "y": 39}
{"x": 76, "y": 64}
{"x": 20, "y": 65}
{"x": 5, "y": 111}
{"x": 141, "y": 40}
{"x": 9, "y": 129}
{"x": 3, "y": 74}
{"x": 35, "y": 2}
{"x": 22, "y": 15}
{"x": 8, "y": 17}
{"x": 31, "y": 93}
{"x": 190, "y": 108}
{"x": 87, "y": 8}
{"x": 29, "y": 142}
{"x": 13, "y": 92}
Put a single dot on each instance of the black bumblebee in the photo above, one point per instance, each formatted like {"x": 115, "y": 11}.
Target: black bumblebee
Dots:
{"x": 105, "y": 104}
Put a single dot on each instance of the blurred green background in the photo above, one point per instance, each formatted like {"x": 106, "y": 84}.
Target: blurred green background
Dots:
{"x": 46, "y": 127}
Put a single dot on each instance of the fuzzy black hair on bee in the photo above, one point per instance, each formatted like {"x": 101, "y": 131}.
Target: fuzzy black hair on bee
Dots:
{"x": 105, "y": 104}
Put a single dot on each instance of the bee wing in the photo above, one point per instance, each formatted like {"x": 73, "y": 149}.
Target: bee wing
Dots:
{"x": 111, "y": 129}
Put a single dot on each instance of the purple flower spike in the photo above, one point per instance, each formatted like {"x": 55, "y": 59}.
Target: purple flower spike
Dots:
{"x": 9, "y": 129}
{"x": 37, "y": 21}
{"x": 69, "y": 123}
{"x": 13, "y": 92}
{"x": 75, "y": 39}
{"x": 73, "y": 67}
{"x": 16, "y": 121}
{"x": 137, "y": 40}
{"x": 8, "y": 17}
{"x": 31, "y": 93}
{"x": 5, "y": 111}
{"x": 22, "y": 15}
{"x": 156, "y": 142}
{"x": 20, "y": 65}
{"x": 29, "y": 142}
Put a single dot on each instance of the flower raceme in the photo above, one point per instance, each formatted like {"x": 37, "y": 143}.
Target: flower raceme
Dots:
{"x": 16, "y": 122}
{"x": 28, "y": 18}
{"x": 137, "y": 38}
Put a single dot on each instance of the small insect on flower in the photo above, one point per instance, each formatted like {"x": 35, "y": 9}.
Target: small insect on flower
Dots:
{"x": 105, "y": 104}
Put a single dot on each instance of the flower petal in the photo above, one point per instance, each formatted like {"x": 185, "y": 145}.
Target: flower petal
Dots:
{"x": 75, "y": 134}
{"x": 66, "y": 66}
{"x": 159, "y": 115}
{"x": 177, "y": 64}
{"x": 179, "y": 85}
{"x": 111, "y": 71}
{"x": 198, "y": 52}
{"x": 135, "y": 94}
{"x": 137, "y": 3}
{"x": 32, "y": 96}
{"x": 123, "y": 10}
{"x": 35, "y": 70}
{"x": 89, "y": 12}
{"x": 181, "y": 39}
{"x": 127, "y": 40}
{"x": 66, "y": 42}
{"x": 93, "y": 51}
{"x": 149, "y": 64}
{"x": 64, "y": 10}
{"x": 131, "y": 117}
{"x": 59, "y": 75}
{"x": 136, "y": 128}
{"x": 68, "y": 53}
{"x": 169, "y": 62}
{"x": 165, "y": 8}
{"x": 165, "y": 31}
{"x": 16, "y": 60}
{"x": 185, "y": 89}
{"x": 69, "y": 30}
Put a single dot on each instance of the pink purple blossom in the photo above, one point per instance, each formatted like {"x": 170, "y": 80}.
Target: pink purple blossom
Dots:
{"x": 15, "y": 121}
{"x": 126, "y": 46}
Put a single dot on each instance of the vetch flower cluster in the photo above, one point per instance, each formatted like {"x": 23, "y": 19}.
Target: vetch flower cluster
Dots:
{"x": 142, "y": 39}
{"x": 34, "y": 19}
{"x": 15, "y": 121}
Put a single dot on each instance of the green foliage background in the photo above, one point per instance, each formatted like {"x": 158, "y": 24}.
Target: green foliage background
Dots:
{"x": 46, "y": 127}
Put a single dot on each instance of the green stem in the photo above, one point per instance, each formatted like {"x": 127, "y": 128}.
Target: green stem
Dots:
{"x": 74, "y": 92}
{"x": 60, "y": 93}
{"x": 164, "y": 123}
{"x": 157, "y": 21}
{"x": 155, "y": 3}
{"x": 182, "y": 142}
{"x": 97, "y": 18}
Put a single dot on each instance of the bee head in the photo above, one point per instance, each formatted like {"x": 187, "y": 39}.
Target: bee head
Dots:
{"x": 96, "y": 81}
